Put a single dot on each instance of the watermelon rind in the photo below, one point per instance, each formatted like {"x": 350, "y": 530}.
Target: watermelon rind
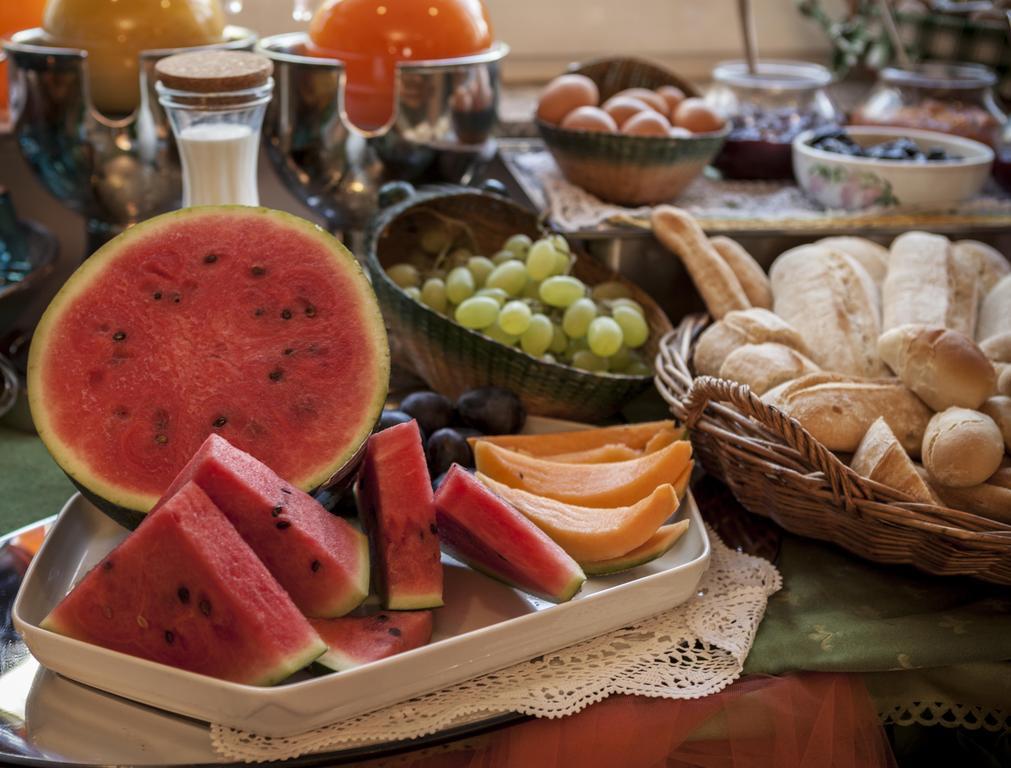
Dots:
{"x": 123, "y": 504}
{"x": 292, "y": 664}
{"x": 658, "y": 545}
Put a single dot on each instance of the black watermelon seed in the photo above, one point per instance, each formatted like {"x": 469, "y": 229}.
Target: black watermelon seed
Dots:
{"x": 315, "y": 566}
{"x": 286, "y": 490}
{"x": 184, "y": 595}
{"x": 205, "y": 607}
{"x": 310, "y": 311}
{"x": 161, "y": 439}
{"x": 433, "y": 529}
{"x": 258, "y": 312}
{"x": 394, "y": 631}
{"x": 282, "y": 524}
{"x": 107, "y": 565}
{"x": 276, "y": 375}
{"x": 118, "y": 336}
{"x": 210, "y": 258}
{"x": 156, "y": 295}
{"x": 220, "y": 421}
{"x": 382, "y": 617}
{"x": 277, "y": 510}
{"x": 258, "y": 271}
{"x": 169, "y": 636}
{"x": 289, "y": 351}
{"x": 286, "y": 314}
{"x": 176, "y": 298}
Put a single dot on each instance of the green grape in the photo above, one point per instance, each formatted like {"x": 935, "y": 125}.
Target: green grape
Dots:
{"x": 561, "y": 244}
{"x": 638, "y": 368}
{"x": 404, "y": 275}
{"x": 414, "y": 292}
{"x": 480, "y": 267}
{"x": 477, "y": 312}
{"x": 514, "y": 318}
{"x": 610, "y": 290}
{"x": 532, "y": 290}
{"x": 630, "y": 303}
{"x": 459, "y": 256}
{"x": 633, "y": 327}
{"x": 433, "y": 294}
{"x": 495, "y": 332}
{"x": 577, "y": 318}
{"x": 503, "y": 256}
{"x": 510, "y": 276}
{"x": 517, "y": 245}
{"x": 559, "y": 341}
{"x": 562, "y": 290}
{"x": 573, "y": 346}
{"x": 435, "y": 238}
{"x": 547, "y": 357}
{"x": 587, "y": 361}
{"x": 496, "y": 293}
{"x": 538, "y": 335}
{"x": 620, "y": 360}
{"x": 459, "y": 284}
{"x": 541, "y": 259}
{"x": 563, "y": 262}
{"x": 604, "y": 337}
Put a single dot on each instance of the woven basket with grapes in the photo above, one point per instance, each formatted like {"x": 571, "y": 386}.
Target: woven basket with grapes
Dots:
{"x": 476, "y": 292}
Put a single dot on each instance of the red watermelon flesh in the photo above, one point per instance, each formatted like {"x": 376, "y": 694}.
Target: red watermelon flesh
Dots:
{"x": 491, "y": 536}
{"x": 357, "y": 640}
{"x": 320, "y": 559}
{"x": 397, "y": 510}
{"x": 245, "y": 322}
{"x": 185, "y": 590}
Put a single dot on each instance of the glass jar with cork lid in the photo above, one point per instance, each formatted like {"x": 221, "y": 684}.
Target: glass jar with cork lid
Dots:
{"x": 215, "y": 101}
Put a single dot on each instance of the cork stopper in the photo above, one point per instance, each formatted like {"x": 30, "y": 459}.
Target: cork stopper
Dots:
{"x": 213, "y": 71}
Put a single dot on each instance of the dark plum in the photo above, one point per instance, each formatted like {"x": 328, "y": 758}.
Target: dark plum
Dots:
{"x": 390, "y": 418}
{"x": 432, "y": 410}
{"x": 492, "y": 410}
{"x": 447, "y": 447}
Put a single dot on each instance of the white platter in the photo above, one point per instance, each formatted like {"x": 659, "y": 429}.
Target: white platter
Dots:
{"x": 483, "y": 627}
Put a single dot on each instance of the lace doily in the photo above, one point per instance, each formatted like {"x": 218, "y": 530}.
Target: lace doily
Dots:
{"x": 948, "y": 715}
{"x": 693, "y": 650}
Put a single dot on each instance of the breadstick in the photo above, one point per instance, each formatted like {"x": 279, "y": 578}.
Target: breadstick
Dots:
{"x": 749, "y": 272}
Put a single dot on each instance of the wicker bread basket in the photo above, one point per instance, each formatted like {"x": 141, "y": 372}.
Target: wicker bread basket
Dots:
{"x": 775, "y": 468}
{"x": 453, "y": 359}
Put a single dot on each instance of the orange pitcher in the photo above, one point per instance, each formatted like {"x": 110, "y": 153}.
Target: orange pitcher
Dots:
{"x": 15, "y": 16}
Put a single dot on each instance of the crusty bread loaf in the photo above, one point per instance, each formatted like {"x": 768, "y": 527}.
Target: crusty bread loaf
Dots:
{"x": 998, "y": 408}
{"x": 833, "y": 303}
{"x": 928, "y": 284}
{"x": 713, "y": 278}
{"x": 748, "y": 326}
{"x": 764, "y": 366}
{"x": 995, "y": 311}
{"x": 961, "y": 447}
{"x": 838, "y": 410}
{"x": 997, "y": 348}
{"x": 1004, "y": 379}
{"x": 872, "y": 256}
{"x": 990, "y": 263}
{"x": 749, "y": 272}
{"x": 986, "y": 499}
{"x": 880, "y": 457}
{"x": 943, "y": 367}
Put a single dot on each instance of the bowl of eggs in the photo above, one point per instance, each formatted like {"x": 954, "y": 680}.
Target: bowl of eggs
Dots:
{"x": 627, "y": 131}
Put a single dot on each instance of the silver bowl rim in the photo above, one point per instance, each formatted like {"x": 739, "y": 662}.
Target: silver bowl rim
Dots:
{"x": 21, "y": 42}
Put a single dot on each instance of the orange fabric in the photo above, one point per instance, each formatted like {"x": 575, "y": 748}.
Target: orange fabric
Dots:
{"x": 811, "y": 720}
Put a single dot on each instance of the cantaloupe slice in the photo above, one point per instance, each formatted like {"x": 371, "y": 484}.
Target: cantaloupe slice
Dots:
{"x": 601, "y": 455}
{"x": 587, "y": 533}
{"x": 633, "y": 435}
{"x": 662, "y": 439}
{"x": 655, "y": 546}
{"x": 618, "y": 484}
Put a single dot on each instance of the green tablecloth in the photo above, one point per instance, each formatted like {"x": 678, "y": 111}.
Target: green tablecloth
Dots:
{"x": 31, "y": 485}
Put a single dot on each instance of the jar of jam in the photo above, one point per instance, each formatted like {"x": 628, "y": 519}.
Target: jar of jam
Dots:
{"x": 766, "y": 110}
{"x": 936, "y": 96}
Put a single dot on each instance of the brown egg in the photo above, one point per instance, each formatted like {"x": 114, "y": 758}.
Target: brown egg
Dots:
{"x": 648, "y": 123}
{"x": 673, "y": 96}
{"x": 677, "y": 132}
{"x": 654, "y": 99}
{"x": 623, "y": 107}
{"x": 695, "y": 115}
{"x": 589, "y": 119}
{"x": 564, "y": 94}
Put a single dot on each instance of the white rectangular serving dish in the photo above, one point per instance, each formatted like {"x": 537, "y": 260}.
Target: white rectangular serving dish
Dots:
{"x": 483, "y": 627}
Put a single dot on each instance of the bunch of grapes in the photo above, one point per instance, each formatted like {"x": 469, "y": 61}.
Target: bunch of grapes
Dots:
{"x": 523, "y": 296}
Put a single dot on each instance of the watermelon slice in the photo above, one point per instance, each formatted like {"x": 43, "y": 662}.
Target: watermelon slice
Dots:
{"x": 357, "y": 640}
{"x": 187, "y": 591}
{"x": 396, "y": 509}
{"x": 655, "y": 546}
{"x": 482, "y": 530}
{"x": 317, "y": 557}
{"x": 245, "y": 322}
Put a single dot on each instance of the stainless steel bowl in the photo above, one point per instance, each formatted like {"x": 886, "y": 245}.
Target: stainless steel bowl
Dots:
{"x": 444, "y": 114}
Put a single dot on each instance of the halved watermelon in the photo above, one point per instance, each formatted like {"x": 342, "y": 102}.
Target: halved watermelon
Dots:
{"x": 357, "y": 640}
{"x": 656, "y": 546}
{"x": 245, "y": 322}
{"x": 397, "y": 510}
{"x": 482, "y": 530}
{"x": 319, "y": 558}
{"x": 185, "y": 590}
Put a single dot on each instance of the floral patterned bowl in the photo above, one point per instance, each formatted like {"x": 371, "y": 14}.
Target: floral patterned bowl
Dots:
{"x": 843, "y": 182}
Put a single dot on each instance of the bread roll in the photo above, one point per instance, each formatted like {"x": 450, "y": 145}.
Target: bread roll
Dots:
{"x": 1004, "y": 379}
{"x": 995, "y": 311}
{"x": 764, "y": 366}
{"x": 838, "y": 410}
{"x": 998, "y": 408}
{"x": 713, "y": 278}
{"x": 880, "y": 457}
{"x": 997, "y": 348}
{"x": 928, "y": 284}
{"x": 986, "y": 500}
{"x": 749, "y": 326}
{"x": 749, "y": 272}
{"x": 944, "y": 368}
{"x": 833, "y": 303}
{"x": 989, "y": 263}
{"x": 961, "y": 447}
{"x": 872, "y": 256}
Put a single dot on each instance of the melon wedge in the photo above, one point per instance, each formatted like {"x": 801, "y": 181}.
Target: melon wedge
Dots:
{"x": 602, "y": 455}
{"x": 655, "y": 546}
{"x": 632, "y": 435}
{"x": 662, "y": 439}
{"x": 587, "y": 533}
{"x": 618, "y": 484}
{"x": 357, "y": 640}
